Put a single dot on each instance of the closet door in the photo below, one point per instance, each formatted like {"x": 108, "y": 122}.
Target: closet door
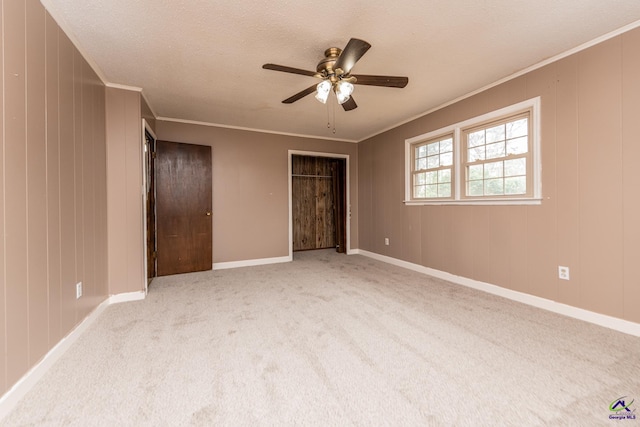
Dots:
{"x": 313, "y": 198}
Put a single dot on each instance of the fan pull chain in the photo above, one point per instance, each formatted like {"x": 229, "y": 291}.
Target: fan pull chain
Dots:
{"x": 333, "y": 108}
{"x": 329, "y": 114}
{"x": 328, "y": 118}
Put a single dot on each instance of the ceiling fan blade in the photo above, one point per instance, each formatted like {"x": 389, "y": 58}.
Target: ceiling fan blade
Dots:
{"x": 386, "y": 81}
{"x": 351, "y": 53}
{"x": 349, "y": 104}
{"x": 300, "y": 95}
{"x": 286, "y": 69}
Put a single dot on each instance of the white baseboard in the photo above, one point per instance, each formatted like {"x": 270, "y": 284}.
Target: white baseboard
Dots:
{"x": 610, "y": 322}
{"x": 250, "y": 262}
{"x": 28, "y": 380}
{"x": 13, "y": 396}
{"x": 127, "y": 297}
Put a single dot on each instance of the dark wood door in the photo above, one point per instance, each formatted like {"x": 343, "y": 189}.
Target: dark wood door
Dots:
{"x": 183, "y": 207}
{"x": 339, "y": 172}
{"x": 317, "y": 203}
{"x": 150, "y": 153}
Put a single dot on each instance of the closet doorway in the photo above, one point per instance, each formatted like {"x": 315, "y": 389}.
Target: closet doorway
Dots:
{"x": 318, "y": 202}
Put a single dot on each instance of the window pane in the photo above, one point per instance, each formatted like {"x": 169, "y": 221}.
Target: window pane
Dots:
{"x": 496, "y": 157}
{"x": 494, "y": 187}
{"x": 518, "y": 145}
{"x": 515, "y": 167}
{"x": 493, "y": 170}
{"x": 475, "y": 172}
{"x": 444, "y": 175}
{"x": 433, "y": 148}
{"x": 495, "y": 134}
{"x": 433, "y": 161}
{"x": 446, "y": 159}
{"x": 475, "y": 138}
{"x": 432, "y": 177}
{"x": 446, "y": 145}
{"x": 475, "y": 188}
{"x": 432, "y": 191}
{"x": 495, "y": 150}
{"x": 515, "y": 185}
{"x": 517, "y": 128}
{"x": 476, "y": 153}
{"x": 444, "y": 190}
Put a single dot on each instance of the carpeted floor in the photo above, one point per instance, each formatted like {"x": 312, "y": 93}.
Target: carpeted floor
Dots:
{"x": 333, "y": 340}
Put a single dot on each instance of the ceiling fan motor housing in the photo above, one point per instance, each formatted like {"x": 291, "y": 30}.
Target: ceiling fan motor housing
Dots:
{"x": 325, "y": 66}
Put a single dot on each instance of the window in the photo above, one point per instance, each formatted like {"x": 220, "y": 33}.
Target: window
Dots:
{"x": 432, "y": 166}
{"x": 491, "y": 159}
{"x": 496, "y": 158}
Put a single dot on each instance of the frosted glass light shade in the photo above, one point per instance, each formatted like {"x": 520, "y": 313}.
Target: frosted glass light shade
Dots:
{"x": 343, "y": 91}
{"x": 323, "y": 89}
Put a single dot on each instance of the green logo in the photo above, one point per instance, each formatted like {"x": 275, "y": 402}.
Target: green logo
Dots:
{"x": 619, "y": 405}
{"x": 621, "y": 410}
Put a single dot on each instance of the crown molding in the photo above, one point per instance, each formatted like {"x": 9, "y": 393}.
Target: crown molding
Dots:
{"x": 218, "y": 125}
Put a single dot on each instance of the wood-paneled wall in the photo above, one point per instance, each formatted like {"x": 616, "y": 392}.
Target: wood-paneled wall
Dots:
{"x": 124, "y": 183}
{"x": 589, "y": 219}
{"x": 52, "y": 188}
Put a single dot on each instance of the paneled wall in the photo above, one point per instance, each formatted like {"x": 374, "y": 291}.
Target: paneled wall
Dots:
{"x": 589, "y": 219}
{"x": 125, "y": 204}
{"x": 53, "y": 224}
{"x": 250, "y": 186}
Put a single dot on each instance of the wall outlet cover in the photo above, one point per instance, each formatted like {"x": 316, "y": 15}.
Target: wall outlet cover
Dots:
{"x": 563, "y": 272}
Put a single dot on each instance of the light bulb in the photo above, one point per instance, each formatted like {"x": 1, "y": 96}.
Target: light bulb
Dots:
{"x": 323, "y": 89}
{"x": 344, "y": 90}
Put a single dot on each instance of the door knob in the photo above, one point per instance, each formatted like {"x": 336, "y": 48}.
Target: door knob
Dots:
{"x": 208, "y": 213}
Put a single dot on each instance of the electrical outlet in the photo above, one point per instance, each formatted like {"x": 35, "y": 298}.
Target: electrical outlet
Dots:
{"x": 386, "y": 241}
{"x": 78, "y": 290}
{"x": 563, "y": 272}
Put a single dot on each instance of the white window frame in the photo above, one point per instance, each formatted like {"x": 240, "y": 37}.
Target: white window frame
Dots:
{"x": 458, "y": 197}
{"x": 415, "y": 171}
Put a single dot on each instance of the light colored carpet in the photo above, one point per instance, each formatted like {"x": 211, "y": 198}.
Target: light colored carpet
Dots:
{"x": 332, "y": 340}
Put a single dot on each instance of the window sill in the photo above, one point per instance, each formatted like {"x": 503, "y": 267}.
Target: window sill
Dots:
{"x": 518, "y": 202}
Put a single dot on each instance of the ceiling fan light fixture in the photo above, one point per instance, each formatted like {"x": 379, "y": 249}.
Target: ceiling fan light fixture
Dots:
{"x": 323, "y": 89}
{"x": 344, "y": 89}
{"x": 334, "y": 71}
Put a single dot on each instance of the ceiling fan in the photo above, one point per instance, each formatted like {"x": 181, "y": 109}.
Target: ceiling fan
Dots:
{"x": 335, "y": 72}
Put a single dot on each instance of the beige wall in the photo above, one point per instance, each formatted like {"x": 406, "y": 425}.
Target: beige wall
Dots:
{"x": 53, "y": 197}
{"x": 147, "y": 113}
{"x": 250, "y": 187}
{"x": 124, "y": 185}
{"x": 589, "y": 219}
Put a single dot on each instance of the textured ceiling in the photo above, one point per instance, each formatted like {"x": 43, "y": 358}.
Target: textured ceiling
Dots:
{"x": 200, "y": 60}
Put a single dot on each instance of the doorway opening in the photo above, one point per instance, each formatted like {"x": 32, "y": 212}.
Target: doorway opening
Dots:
{"x": 177, "y": 198}
{"x": 149, "y": 202}
{"x": 319, "y": 211}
